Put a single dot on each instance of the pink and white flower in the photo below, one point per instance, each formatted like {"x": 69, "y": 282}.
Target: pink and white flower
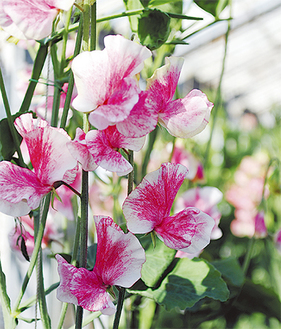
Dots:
{"x": 105, "y": 80}
{"x": 260, "y": 227}
{"x": 119, "y": 260}
{"x": 206, "y": 199}
{"x": 147, "y": 209}
{"x": 100, "y": 148}
{"x": 30, "y": 19}
{"x": 22, "y": 189}
{"x": 183, "y": 118}
{"x": 26, "y": 230}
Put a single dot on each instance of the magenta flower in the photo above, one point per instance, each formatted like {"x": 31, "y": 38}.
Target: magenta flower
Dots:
{"x": 260, "y": 227}
{"x": 22, "y": 189}
{"x": 119, "y": 260}
{"x": 30, "y": 19}
{"x": 148, "y": 207}
{"x": 105, "y": 80}
{"x": 206, "y": 199}
{"x": 100, "y": 147}
{"x": 183, "y": 118}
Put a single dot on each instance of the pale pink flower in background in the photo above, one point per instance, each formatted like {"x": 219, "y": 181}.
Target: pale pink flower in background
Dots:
{"x": 105, "y": 80}
{"x": 22, "y": 189}
{"x": 182, "y": 118}
{"x": 206, "y": 199}
{"x": 246, "y": 194}
{"x": 147, "y": 209}
{"x": 100, "y": 148}
{"x": 260, "y": 227}
{"x": 30, "y": 19}
{"x": 26, "y": 229}
{"x": 119, "y": 260}
{"x": 189, "y": 160}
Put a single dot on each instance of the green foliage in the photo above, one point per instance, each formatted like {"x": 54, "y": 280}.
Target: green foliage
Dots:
{"x": 212, "y": 7}
{"x": 7, "y": 145}
{"x": 157, "y": 261}
{"x": 153, "y": 28}
{"x": 230, "y": 270}
{"x": 187, "y": 283}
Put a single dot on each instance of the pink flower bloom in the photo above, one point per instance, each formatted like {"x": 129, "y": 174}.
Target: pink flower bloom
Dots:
{"x": 22, "y": 189}
{"x": 206, "y": 199}
{"x": 196, "y": 170}
{"x": 148, "y": 207}
{"x": 260, "y": 228}
{"x": 30, "y": 19}
{"x": 100, "y": 147}
{"x": 246, "y": 194}
{"x": 183, "y": 118}
{"x": 119, "y": 260}
{"x": 27, "y": 231}
{"x": 105, "y": 80}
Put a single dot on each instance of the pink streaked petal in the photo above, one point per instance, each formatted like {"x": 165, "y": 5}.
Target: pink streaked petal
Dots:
{"x": 66, "y": 272}
{"x": 20, "y": 184}
{"x": 105, "y": 154}
{"x": 186, "y": 117}
{"x": 79, "y": 151}
{"x": 91, "y": 79}
{"x": 188, "y": 230}
{"x": 120, "y": 103}
{"x": 152, "y": 199}
{"x": 142, "y": 119}
{"x": 8, "y": 25}
{"x": 129, "y": 53}
{"x": 33, "y": 18}
{"x": 47, "y": 148}
{"x": 162, "y": 85}
{"x": 70, "y": 175}
{"x": 119, "y": 256}
{"x": 14, "y": 209}
{"x": 90, "y": 291}
{"x": 98, "y": 121}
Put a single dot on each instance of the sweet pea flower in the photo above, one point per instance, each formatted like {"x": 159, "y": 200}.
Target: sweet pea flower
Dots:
{"x": 277, "y": 240}
{"x": 187, "y": 159}
{"x": 147, "y": 209}
{"x": 119, "y": 260}
{"x": 206, "y": 199}
{"x": 100, "y": 148}
{"x": 22, "y": 189}
{"x": 26, "y": 230}
{"x": 105, "y": 80}
{"x": 30, "y": 19}
{"x": 182, "y": 118}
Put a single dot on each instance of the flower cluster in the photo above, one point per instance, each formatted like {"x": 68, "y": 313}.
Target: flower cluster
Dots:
{"x": 122, "y": 115}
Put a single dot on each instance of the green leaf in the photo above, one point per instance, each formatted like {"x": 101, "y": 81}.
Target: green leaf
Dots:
{"x": 187, "y": 283}
{"x": 7, "y": 146}
{"x": 153, "y": 28}
{"x": 212, "y": 7}
{"x": 256, "y": 298}
{"x": 157, "y": 261}
{"x": 231, "y": 270}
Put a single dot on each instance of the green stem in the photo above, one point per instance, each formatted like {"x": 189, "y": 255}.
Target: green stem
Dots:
{"x": 93, "y": 37}
{"x": 151, "y": 141}
{"x": 10, "y": 120}
{"x": 62, "y": 315}
{"x": 37, "y": 69}
{"x": 34, "y": 256}
{"x": 218, "y": 99}
{"x": 9, "y": 320}
{"x": 121, "y": 297}
{"x": 71, "y": 77}
{"x": 248, "y": 256}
